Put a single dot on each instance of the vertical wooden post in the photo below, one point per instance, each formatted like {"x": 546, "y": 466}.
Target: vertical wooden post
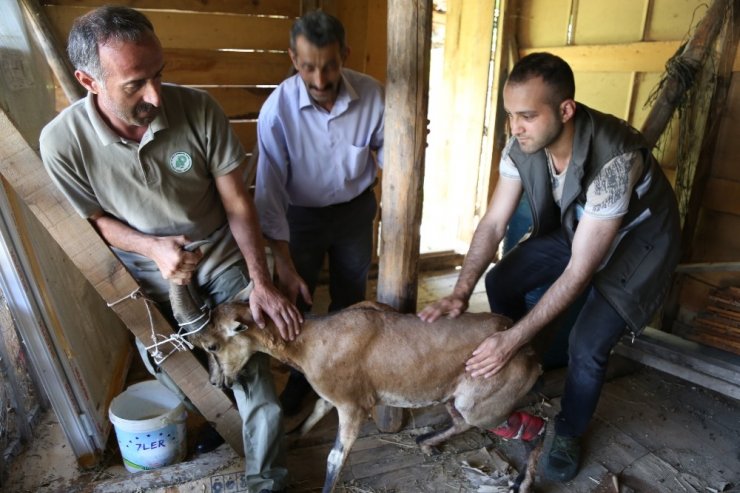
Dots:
{"x": 693, "y": 54}
{"x": 504, "y": 58}
{"x": 407, "y": 90}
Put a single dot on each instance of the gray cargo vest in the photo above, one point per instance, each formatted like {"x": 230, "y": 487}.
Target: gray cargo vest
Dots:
{"x": 636, "y": 274}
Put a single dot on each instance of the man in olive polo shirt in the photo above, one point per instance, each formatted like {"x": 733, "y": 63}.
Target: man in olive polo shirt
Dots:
{"x": 159, "y": 173}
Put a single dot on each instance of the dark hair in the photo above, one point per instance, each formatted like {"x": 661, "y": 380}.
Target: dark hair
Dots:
{"x": 99, "y": 26}
{"x": 555, "y": 72}
{"x": 320, "y": 29}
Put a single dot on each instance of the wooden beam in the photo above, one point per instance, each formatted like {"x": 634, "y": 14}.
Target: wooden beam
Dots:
{"x": 692, "y": 56}
{"x": 55, "y": 56}
{"x": 505, "y": 57}
{"x": 645, "y": 56}
{"x": 722, "y": 196}
{"x": 407, "y": 90}
{"x": 224, "y": 68}
{"x": 198, "y": 30}
{"x": 709, "y": 267}
{"x": 690, "y": 189}
{"x": 705, "y": 366}
{"x": 21, "y": 167}
{"x": 691, "y": 183}
{"x": 467, "y": 58}
{"x": 289, "y": 8}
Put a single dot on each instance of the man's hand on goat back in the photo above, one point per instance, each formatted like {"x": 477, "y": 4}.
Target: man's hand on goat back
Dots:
{"x": 450, "y": 306}
{"x": 492, "y": 354}
{"x": 267, "y": 300}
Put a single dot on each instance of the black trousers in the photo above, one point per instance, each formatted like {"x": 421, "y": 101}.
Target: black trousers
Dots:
{"x": 597, "y": 328}
{"x": 344, "y": 232}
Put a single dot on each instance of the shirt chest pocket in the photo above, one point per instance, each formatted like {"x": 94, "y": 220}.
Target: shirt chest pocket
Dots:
{"x": 353, "y": 160}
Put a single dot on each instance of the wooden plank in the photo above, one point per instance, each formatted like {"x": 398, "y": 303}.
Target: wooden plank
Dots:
{"x": 21, "y": 167}
{"x": 607, "y": 91}
{"x": 376, "y": 54}
{"x": 95, "y": 343}
{"x": 705, "y": 366}
{"x": 657, "y": 417}
{"x": 672, "y": 19}
{"x": 624, "y": 26}
{"x": 216, "y": 68}
{"x": 692, "y": 54}
{"x": 247, "y": 133}
{"x": 543, "y": 23}
{"x": 497, "y": 126}
{"x": 716, "y": 237}
{"x": 407, "y": 89}
{"x": 468, "y": 38}
{"x": 198, "y": 30}
{"x": 58, "y": 61}
{"x": 722, "y": 196}
{"x": 647, "y": 56}
{"x": 709, "y": 267}
{"x": 728, "y": 145}
{"x": 240, "y": 103}
{"x": 289, "y": 8}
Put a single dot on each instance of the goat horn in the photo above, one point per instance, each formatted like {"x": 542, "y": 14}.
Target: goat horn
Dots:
{"x": 184, "y": 307}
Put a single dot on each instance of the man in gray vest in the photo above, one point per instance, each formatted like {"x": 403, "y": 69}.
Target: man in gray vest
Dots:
{"x": 605, "y": 229}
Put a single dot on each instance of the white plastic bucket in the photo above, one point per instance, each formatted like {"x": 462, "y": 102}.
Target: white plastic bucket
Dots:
{"x": 150, "y": 426}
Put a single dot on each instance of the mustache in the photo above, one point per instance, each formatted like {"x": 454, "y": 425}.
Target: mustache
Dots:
{"x": 325, "y": 88}
{"x": 146, "y": 108}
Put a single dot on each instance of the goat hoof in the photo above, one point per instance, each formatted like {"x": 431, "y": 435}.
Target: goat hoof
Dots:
{"x": 430, "y": 450}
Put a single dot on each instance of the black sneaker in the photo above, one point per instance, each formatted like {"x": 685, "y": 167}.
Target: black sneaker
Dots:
{"x": 561, "y": 461}
{"x": 295, "y": 391}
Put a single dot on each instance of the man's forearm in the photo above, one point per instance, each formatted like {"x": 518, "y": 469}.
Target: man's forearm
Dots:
{"x": 559, "y": 296}
{"x": 248, "y": 237}
{"x": 120, "y": 235}
{"x": 481, "y": 253}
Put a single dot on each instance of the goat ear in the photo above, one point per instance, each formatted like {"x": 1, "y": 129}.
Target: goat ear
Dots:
{"x": 233, "y": 327}
{"x": 243, "y": 295}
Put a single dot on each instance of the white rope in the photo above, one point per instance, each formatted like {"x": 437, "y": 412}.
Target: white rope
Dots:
{"x": 177, "y": 340}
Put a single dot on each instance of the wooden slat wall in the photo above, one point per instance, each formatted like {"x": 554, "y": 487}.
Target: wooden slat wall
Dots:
{"x": 235, "y": 50}
{"x": 291, "y": 8}
{"x": 618, "y": 63}
{"x": 255, "y": 35}
{"x": 717, "y": 237}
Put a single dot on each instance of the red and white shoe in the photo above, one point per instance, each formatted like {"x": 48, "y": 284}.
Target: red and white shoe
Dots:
{"x": 521, "y": 426}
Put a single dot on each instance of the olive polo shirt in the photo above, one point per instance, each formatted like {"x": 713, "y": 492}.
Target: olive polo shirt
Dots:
{"x": 162, "y": 186}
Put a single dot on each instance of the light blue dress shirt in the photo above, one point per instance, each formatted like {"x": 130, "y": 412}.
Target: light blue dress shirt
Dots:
{"x": 310, "y": 157}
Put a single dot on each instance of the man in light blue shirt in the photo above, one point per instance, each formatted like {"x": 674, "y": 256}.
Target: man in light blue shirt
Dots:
{"x": 320, "y": 137}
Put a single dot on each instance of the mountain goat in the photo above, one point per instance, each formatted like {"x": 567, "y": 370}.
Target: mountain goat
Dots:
{"x": 368, "y": 355}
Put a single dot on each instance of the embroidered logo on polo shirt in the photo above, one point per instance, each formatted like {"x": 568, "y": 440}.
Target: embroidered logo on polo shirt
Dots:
{"x": 180, "y": 162}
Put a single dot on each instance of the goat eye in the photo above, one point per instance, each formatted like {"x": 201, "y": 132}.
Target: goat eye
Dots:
{"x": 212, "y": 348}
{"x": 241, "y": 328}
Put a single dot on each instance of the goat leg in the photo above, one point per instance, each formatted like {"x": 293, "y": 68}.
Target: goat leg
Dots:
{"x": 320, "y": 409}
{"x": 459, "y": 425}
{"x": 524, "y": 482}
{"x": 350, "y": 420}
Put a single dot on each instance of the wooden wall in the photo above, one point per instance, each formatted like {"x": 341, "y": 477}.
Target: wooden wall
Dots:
{"x": 717, "y": 237}
{"x": 237, "y": 50}
{"x": 618, "y": 50}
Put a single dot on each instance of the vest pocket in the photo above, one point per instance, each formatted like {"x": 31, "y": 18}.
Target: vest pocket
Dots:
{"x": 635, "y": 269}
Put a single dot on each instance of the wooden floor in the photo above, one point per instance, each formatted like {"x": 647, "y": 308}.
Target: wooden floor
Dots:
{"x": 651, "y": 433}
